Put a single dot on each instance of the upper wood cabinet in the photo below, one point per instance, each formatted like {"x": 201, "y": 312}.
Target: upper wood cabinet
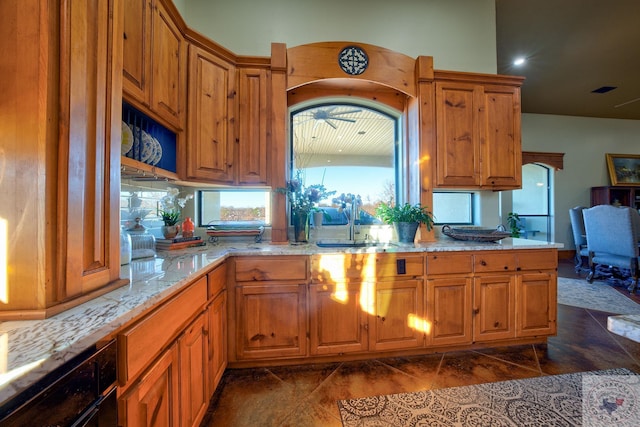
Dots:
{"x": 210, "y": 132}
{"x": 478, "y": 135}
{"x": 253, "y": 151}
{"x": 61, "y": 95}
{"x": 154, "y": 62}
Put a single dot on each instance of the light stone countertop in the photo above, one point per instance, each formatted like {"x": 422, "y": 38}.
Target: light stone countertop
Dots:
{"x": 30, "y": 349}
{"x": 626, "y": 325}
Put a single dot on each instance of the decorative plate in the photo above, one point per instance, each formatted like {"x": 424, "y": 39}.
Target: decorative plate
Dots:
{"x": 127, "y": 139}
{"x": 158, "y": 152}
{"x": 148, "y": 148}
{"x": 476, "y": 234}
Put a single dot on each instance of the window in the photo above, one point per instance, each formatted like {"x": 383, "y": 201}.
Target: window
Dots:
{"x": 349, "y": 148}
{"x": 531, "y": 203}
{"x": 223, "y": 206}
{"x": 453, "y": 207}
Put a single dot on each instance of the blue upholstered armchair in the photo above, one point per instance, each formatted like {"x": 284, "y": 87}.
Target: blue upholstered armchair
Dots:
{"x": 579, "y": 236}
{"x": 612, "y": 239}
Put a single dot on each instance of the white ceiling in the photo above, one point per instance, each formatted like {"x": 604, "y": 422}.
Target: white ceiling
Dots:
{"x": 573, "y": 47}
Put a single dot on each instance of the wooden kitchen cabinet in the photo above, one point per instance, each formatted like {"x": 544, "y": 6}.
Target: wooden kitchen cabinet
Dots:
{"x": 211, "y": 118}
{"x": 254, "y": 154}
{"x": 154, "y": 401}
{"x": 154, "y": 62}
{"x": 449, "y": 298}
{"x": 217, "y": 325}
{"x": 494, "y": 307}
{"x": 536, "y": 293}
{"x": 377, "y": 299}
{"x": 62, "y": 98}
{"x": 270, "y": 312}
{"x": 478, "y": 131}
{"x": 193, "y": 361}
{"x": 332, "y": 304}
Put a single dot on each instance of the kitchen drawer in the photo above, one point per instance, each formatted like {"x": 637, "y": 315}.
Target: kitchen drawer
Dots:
{"x": 362, "y": 267}
{"x": 494, "y": 261}
{"x": 216, "y": 280}
{"x": 449, "y": 263}
{"x": 538, "y": 260}
{"x": 259, "y": 269}
{"x": 139, "y": 344}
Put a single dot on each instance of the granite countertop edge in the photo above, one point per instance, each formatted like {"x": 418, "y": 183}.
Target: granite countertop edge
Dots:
{"x": 33, "y": 348}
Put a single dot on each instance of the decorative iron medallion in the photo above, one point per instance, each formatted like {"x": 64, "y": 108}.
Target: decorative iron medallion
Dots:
{"x": 353, "y": 60}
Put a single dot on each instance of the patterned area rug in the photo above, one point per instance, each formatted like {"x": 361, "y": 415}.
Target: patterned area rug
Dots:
{"x": 598, "y": 398}
{"x": 597, "y": 296}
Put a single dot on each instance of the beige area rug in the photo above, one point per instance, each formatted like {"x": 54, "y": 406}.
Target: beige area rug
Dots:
{"x": 599, "y": 398}
{"x": 597, "y": 296}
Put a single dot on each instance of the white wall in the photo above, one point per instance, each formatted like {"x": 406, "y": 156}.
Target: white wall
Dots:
{"x": 585, "y": 141}
{"x": 459, "y": 34}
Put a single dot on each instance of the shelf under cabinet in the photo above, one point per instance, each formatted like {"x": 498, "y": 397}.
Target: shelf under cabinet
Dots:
{"x": 138, "y": 171}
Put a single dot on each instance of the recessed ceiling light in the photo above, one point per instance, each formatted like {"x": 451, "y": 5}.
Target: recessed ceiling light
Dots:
{"x": 519, "y": 61}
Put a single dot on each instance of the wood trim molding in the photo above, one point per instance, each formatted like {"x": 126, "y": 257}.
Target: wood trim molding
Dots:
{"x": 556, "y": 160}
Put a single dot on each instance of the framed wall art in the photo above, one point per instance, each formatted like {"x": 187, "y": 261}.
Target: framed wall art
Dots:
{"x": 624, "y": 169}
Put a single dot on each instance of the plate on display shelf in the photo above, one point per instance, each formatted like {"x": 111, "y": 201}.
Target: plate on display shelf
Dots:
{"x": 158, "y": 152}
{"x": 148, "y": 148}
{"x": 127, "y": 139}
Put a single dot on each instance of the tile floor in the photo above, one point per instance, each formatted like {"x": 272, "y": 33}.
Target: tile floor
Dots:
{"x": 306, "y": 395}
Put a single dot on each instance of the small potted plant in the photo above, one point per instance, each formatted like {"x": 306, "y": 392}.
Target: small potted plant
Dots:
{"x": 405, "y": 218}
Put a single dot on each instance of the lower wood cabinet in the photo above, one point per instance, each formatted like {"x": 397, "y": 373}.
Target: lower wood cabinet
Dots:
{"x": 217, "y": 334}
{"x": 271, "y": 320}
{"x": 494, "y": 307}
{"x": 536, "y": 295}
{"x": 153, "y": 401}
{"x": 449, "y": 314}
{"x": 193, "y": 360}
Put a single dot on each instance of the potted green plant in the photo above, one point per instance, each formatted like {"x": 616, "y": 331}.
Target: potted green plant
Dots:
{"x": 405, "y": 218}
{"x": 512, "y": 220}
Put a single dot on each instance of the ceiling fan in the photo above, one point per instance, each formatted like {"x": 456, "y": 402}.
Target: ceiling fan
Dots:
{"x": 328, "y": 115}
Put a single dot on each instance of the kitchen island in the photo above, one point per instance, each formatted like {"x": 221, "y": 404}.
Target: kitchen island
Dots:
{"x": 31, "y": 349}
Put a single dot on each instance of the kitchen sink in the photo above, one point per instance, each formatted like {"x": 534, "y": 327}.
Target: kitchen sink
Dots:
{"x": 349, "y": 243}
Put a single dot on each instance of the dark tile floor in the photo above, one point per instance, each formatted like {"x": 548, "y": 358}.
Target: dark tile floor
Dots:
{"x": 306, "y": 395}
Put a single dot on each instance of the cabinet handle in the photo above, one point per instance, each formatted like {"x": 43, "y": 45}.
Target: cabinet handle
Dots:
{"x": 476, "y": 310}
{"x": 483, "y": 262}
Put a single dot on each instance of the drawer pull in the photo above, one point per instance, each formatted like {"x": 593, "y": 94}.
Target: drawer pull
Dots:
{"x": 483, "y": 262}
{"x": 258, "y": 337}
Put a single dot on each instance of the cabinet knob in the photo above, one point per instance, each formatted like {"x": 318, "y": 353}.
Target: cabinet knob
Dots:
{"x": 476, "y": 310}
{"x": 483, "y": 262}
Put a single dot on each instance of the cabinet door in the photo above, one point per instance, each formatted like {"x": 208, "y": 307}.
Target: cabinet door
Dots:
{"x": 501, "y": 149}
{"x": 340, "y": 304}
{"x": 210, "y": 146}
{"x": 153, "y": 402}
{"x": 89, "y": 146}
{"x": 397, "y": 316}
{"x": 536, "y": 304}
{"x": 494, "y": 311}
{"x": 136, "y": 65}
{"x": 193, "y": 364}
{"x": 271, "y": 321}
{"x": 457, "y": 134}
{"x": 449, "y": 314}
{"x": 253, "y": 150}
{"x": 217, "y": 334}
{"x": 168, "y": 67}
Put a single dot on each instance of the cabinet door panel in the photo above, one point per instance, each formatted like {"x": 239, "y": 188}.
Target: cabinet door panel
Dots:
{"x": 89, "y": 149}
{"x": 210, "y": 147}
{"x": 449, "y": 310}
{"x": 398, "y": 316}
{"x": 136, "y": 51}
{"x": 193, "y": 368}
{"x": 154, "y": 401}
{"x": 271, "y": 321}
{"x": 457, "y": 129}
{"x": 253, "y": 152}
{"x": 338, "y": 320}
{"x": 536, "y": 312}
{"x": 168, "y": 65}
{"x": 501, "y": 151}
{"x": 494, "y": 300}
{"x": 217, "y": 333}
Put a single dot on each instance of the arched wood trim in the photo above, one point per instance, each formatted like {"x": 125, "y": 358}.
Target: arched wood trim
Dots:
{"x": 556, "y": 160}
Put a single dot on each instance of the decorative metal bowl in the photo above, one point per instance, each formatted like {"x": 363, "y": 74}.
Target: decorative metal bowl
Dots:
{"x": 476, "y": 234}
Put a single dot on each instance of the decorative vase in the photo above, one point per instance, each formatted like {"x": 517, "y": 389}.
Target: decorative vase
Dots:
{"x": 406, "y": 231}
{"x": 318, "y": 217}
{"x": 188, "y": 227}
{"x": 170, "y": 231}
{"x": 300, "y": 226}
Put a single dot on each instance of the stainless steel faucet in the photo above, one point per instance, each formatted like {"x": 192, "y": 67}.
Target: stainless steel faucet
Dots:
{"x": 354, "y": 218}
